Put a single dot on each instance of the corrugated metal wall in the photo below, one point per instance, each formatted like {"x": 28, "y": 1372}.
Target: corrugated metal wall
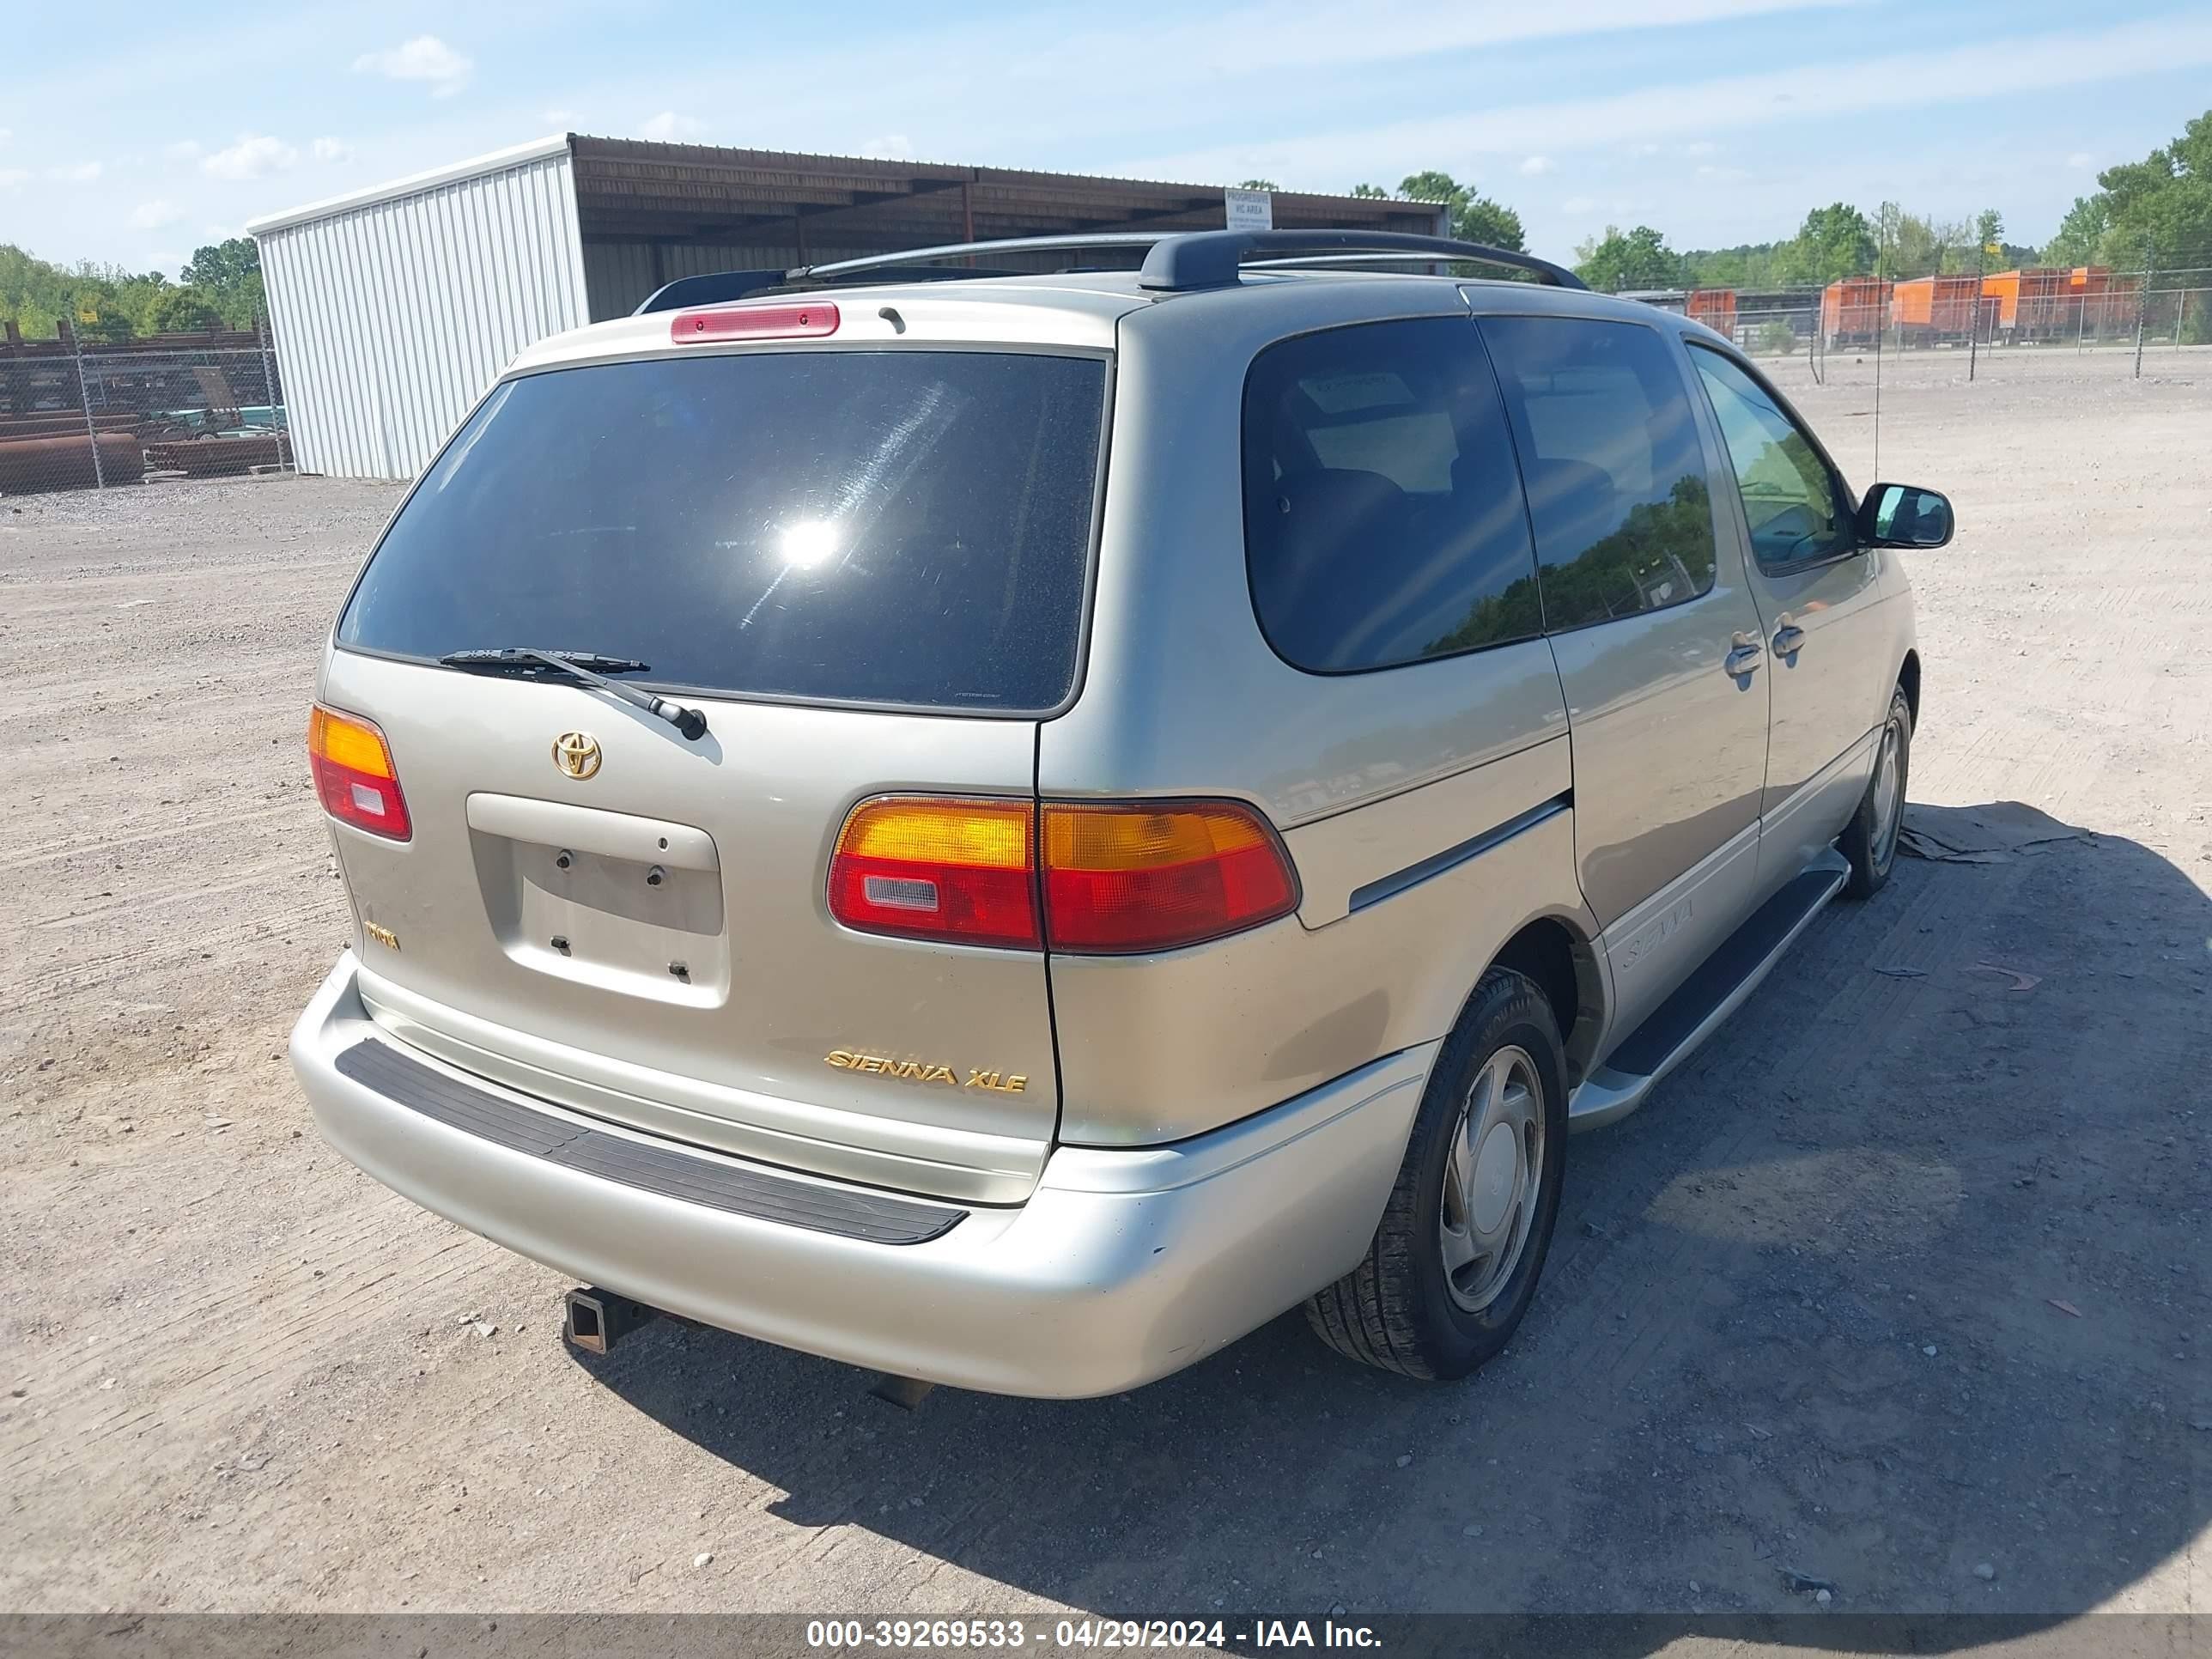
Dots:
{"x": 392, "y": 316}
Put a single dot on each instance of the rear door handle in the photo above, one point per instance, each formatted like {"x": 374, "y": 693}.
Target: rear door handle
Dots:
{"x": 1744, "y": 657}
{"x": 1788, "y": 638}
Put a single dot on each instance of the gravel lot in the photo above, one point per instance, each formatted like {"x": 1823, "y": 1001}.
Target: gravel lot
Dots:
{"x": 1902, "y": 1285}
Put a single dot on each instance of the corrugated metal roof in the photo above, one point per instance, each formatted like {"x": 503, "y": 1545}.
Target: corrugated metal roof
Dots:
{"x": 414, "y": 185}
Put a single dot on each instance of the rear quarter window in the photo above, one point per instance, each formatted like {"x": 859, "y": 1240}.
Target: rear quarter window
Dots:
{"x": 1383, "y": 522}
{"x": 905, "y": 528}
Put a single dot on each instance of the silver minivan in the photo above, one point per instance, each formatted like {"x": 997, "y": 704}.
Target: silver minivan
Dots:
{"x": 1007, "y": 831}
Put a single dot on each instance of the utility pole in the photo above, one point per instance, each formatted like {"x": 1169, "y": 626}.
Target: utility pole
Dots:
{"x": 84, "y": 397}
{"x": 1974, "y": 312}
{"x": 2142, "y": 300}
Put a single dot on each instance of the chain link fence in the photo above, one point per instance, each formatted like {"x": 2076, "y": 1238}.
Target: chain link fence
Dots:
{"x": 81, "y": 414}
{"x": 2121, "y": 323}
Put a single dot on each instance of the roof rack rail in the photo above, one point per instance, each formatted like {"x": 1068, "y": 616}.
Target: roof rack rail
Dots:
{"x": 1175, "y": 261}
{"x": 1211, "y": 259}
{"x": 958, "y": 250}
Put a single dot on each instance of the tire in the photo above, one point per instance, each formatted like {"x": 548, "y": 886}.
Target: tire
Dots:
{"x": 1403, "y": 1308}
{"x": 1870, "y": 841}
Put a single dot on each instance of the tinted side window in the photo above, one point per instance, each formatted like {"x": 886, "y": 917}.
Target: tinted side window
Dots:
{"x": 1791, "y": 499}
{"x": 1616, "y": 477}
{"x": 1383, "y": 521}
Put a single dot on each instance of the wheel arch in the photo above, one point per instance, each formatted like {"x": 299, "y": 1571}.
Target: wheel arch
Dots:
{"x": 1908, "y": 677}
{"x": 1562, "y": 961}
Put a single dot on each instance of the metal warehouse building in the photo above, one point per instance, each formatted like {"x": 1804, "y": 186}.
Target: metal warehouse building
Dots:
{"x": 394, "y": 307}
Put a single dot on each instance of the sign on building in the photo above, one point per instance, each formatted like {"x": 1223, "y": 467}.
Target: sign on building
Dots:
{"x": 1251, "y": 210}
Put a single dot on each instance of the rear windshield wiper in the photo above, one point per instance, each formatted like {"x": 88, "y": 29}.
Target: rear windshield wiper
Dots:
{"x": 588, "y": 668}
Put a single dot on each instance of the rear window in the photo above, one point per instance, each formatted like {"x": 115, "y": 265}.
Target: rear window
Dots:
{"x": 909, "y": 528}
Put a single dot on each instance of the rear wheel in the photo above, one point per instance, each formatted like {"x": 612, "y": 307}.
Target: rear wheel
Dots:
{"x": 1454, "y": 1261}
{"x": 1870, "y": 843}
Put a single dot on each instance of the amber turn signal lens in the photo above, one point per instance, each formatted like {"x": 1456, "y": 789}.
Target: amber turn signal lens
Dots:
{"x": 354, "y": 774}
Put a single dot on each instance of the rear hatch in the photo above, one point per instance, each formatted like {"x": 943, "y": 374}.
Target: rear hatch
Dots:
{"x": 867, "y": 568}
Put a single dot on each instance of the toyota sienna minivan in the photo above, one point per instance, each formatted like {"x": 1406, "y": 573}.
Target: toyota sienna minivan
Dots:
{"x": 1007, "y": 831}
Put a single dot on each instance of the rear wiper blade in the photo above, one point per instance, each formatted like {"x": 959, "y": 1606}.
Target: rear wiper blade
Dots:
{"x": 588, "y": 668}
{"x": 524, "y": 657}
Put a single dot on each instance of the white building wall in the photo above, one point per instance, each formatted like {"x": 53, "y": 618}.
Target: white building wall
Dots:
{"x": 394, "y": 309}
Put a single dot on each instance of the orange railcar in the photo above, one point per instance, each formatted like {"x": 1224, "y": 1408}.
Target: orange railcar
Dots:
{"x": 1715, "y": 307}
{"x": 1927, "y": 309}
{"x": 1854, "y": 310}
{"x": 2034, "y": 303}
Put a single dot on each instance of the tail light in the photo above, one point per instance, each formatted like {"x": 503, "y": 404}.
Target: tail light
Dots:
{"x": 942, "y": 868}
{"x": 1093, "y": 879}
{"x": 1153, "y": 876}
{"x": 353, "y": 774}
{"x": 809, "y": 319}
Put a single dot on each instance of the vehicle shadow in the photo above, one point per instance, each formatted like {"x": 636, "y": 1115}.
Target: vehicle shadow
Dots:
{"x": 1895, "y": 1289}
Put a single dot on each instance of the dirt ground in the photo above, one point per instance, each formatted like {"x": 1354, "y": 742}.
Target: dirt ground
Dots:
{"x": 1902, "y": 1283}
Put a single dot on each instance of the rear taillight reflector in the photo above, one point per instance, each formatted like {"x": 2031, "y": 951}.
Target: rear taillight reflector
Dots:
{"x": 811, "y": 319}
{"x": 354, "y": 774}
{"x": 1151, "y": 876}
{"x": 937, "y": 867}
{"x": 1113, "y": 877}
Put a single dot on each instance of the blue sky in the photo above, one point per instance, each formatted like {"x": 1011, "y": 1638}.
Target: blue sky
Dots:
{"x": 1719, "y": 121}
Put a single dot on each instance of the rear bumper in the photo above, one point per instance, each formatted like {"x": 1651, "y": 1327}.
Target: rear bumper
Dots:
{"x": 1122, "y": 1265}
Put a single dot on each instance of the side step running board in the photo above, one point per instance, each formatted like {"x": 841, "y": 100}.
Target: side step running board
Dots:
{"x": 1719, "y": 987}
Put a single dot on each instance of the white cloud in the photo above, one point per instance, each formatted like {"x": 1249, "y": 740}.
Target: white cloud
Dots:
{"x": 1645, "y": 148}
{"x": 1535, "y": 166}
{"x": 252, "y": 156}
{"x": 184, "y": 149}
{"x": 668, "y": 126}
{"x": 891, "y": 147}
{"x": 1702, "y": 146}
{"x": 2080, "y": 161}
{"x": 330, "y": 150}
{"x": 79, "y": 172}
{"x": 426, "y": 58}
{"x": 11, "y": 177}
{"x": 559, "y": 118}
{"x": 6, "y": 134}
{"x": 1920, "y": 80}
{"x": 1577, "y": 204}
{"x": 152, "y": 215}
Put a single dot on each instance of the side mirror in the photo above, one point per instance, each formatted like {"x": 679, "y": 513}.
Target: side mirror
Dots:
{"x": 1905, "y": 515}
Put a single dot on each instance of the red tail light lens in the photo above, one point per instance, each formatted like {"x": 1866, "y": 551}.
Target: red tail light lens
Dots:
{"x": 1153, "y": 876}
{"x": 811, "y": 319}
{"x": 353, "y": 774}
{"x": 959, "y": 870}
{"x": 1117, "y": 878}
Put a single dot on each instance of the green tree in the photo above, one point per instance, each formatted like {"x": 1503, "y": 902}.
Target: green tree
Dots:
{"x": 1640, "y": 260}
{"x": 186, "y": 310}
{"x": 230, "y": 273}
{"x": 2161, "y": 207}
{"x": 1989, "y": 230}
{"x": 1473, "y": 218}
{"x": 1833, "y": 241}
{"x": 100, "y": 301}
{"x": 1370, "y": 192}
{"x": 2081, "y": 232}
{"x": 1259, "y": 184}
